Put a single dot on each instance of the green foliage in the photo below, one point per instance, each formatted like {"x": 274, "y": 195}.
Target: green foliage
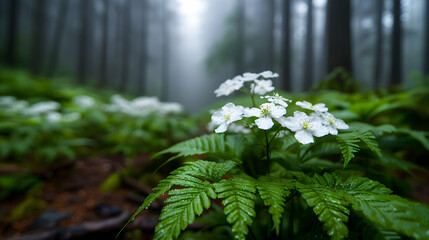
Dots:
{"x": 239, "y": 201}
{"x": 348, "y": 143}
{"x": 273, "y": 192}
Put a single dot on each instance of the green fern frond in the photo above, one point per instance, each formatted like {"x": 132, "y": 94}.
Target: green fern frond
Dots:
{"x": 188, "y": 176}
{"x": 391, "y": 212}
{"x": 206, "y": 144}
{"x": 420, "y": 136}
{"x": 348, "y": 143}
{"x": 327, "y": 204}
{"x": 239, "y": 201}
{"x": 274, "y": 192}
{"x": 182, "y": 207}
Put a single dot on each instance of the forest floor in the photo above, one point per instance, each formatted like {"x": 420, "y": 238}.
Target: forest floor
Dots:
{"x": 76, "y": 208}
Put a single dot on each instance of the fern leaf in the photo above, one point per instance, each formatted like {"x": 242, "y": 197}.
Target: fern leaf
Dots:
{"x": 181, "y": 208}
{"x": 328, "y": 205}
{"x": 391, "y": 212}
{"x": 348, "y": 143}
{"x": 199, "y": 145}
{"x": 420, "y": 136}
{"x": 188, "y": 176}
{"x": 273, "y": 192}
{"x": 239, "y": 201}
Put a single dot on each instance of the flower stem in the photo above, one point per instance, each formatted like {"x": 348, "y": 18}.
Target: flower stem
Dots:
{"x": 267, "y": 148}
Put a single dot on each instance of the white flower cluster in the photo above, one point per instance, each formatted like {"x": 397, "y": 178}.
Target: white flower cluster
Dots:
{"x": 319, "y": 123}
{"x": 47, "y": 110}
{"x": 260, "y": 83}
{"x": 142, "y": 106}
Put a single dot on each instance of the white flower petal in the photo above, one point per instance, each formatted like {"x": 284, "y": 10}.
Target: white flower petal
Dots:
{"x": 252, "y": 112}
{"x": 222, "y": 128}
{"x": 320, "y": 131}
{"x": 340, "y": 124}
{"x": 292, "y": 123}
{"x": 277, "y": 111}
{"x": 304, "y": 137}
{"x": 264, "y": 123}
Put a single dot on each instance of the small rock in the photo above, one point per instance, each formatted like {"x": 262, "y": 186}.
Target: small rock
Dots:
{"x": 48, "y": 219}
{"x": 106, "y": 211}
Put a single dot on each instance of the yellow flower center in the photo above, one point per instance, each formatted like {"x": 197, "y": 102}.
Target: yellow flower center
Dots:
{"x": 227, "y": 116}
{"x": 306, "y": 125}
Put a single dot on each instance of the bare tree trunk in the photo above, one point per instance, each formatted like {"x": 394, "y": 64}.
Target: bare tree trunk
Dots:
{"x": 57, "y": 37}
{"x": 271, "y": 17}
{"x": 379, "y": 43}
{"x": 39, "y": 35}
{"x": 143, "y": 46}
{"x": 426, "y": 51}
{"x": 339, "y": 36}
{"x": 286, "y": 29}
{"x": 85, "y": 31}
{"x": 165, "y": 61}
{"x": 102, "y": 80}
{"x": 396, "y": 64}
{"x": 239, "y": 55}
{"x": 12, "y": 32}
{"x": 308, "y": 73}
{"x": 123, "y": 84}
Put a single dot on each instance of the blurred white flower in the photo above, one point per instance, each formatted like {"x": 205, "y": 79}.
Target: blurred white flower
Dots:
{"x": 265, "y": 114}
{"x": 238, "y": 128}
{"x": 41, "y": 107}
{"x": 247, "y": 76}
{"x": 84, "y": 101}
{"x": 170, "y": 108}
{"x": 269, "y": 74}
{"x": 331, "y": 122}
{"x": 229, "y": 86}
{"x": 71, "y": 117}
{"x": 262, "y": 86}
{"x": 320, "y": 107}
{"x": 227, "y": 115}
{"x": 277, "y": 99}
{"x": 305, "y": 127}
{"x": 7, "y": 100}
{"x": 53, "y": 116}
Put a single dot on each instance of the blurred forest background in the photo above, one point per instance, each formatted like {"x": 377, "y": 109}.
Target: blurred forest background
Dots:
{"x": 181, "y": 50}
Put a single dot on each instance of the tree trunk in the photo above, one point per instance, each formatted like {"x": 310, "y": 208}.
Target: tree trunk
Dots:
{"x": 426, "y": 51}
{"x": 39, "y": 37}
{"x": 271, "y": 19}
{"x": 12, "y": 32}
{"x": 57, "y": 37}
{"x": 379, "y": 43}
{"x": 143, "y": 46}
{"x": 308, "y": 73}
{"x": 338, "y": 36}
{"x": 82, "y": 64}
{"x": 239, "y": 55}
{"x": 286, "y": 29}
{"x": 102, "y": 80}
{"x": 165, "y": 58}
{"x": 123, "y": 84}
{"x": 396, "y": 64}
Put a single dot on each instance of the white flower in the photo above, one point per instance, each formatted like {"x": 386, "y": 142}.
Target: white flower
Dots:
{"x": 269, "y": 74}
{"x": 53, "y": 116}
{"x": 320, "y": 107}
{"x": 229, "y": 86}
{"x": 249, "y": 76}
{"x": 84, "y": 101}
{"x": 171, "y": 107}
{"x": 265, "y": 114}
{"x": 71, "y": 117}
{"x": 41, "y": 107}
{"x": 305, "y": 127}
{"x": 331, "y": 122}
{"x": 262, "y": 86}
{"x": 227, "y": 115}
{"x": 277, "y": 99}
{"x": 239, "y": 128}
